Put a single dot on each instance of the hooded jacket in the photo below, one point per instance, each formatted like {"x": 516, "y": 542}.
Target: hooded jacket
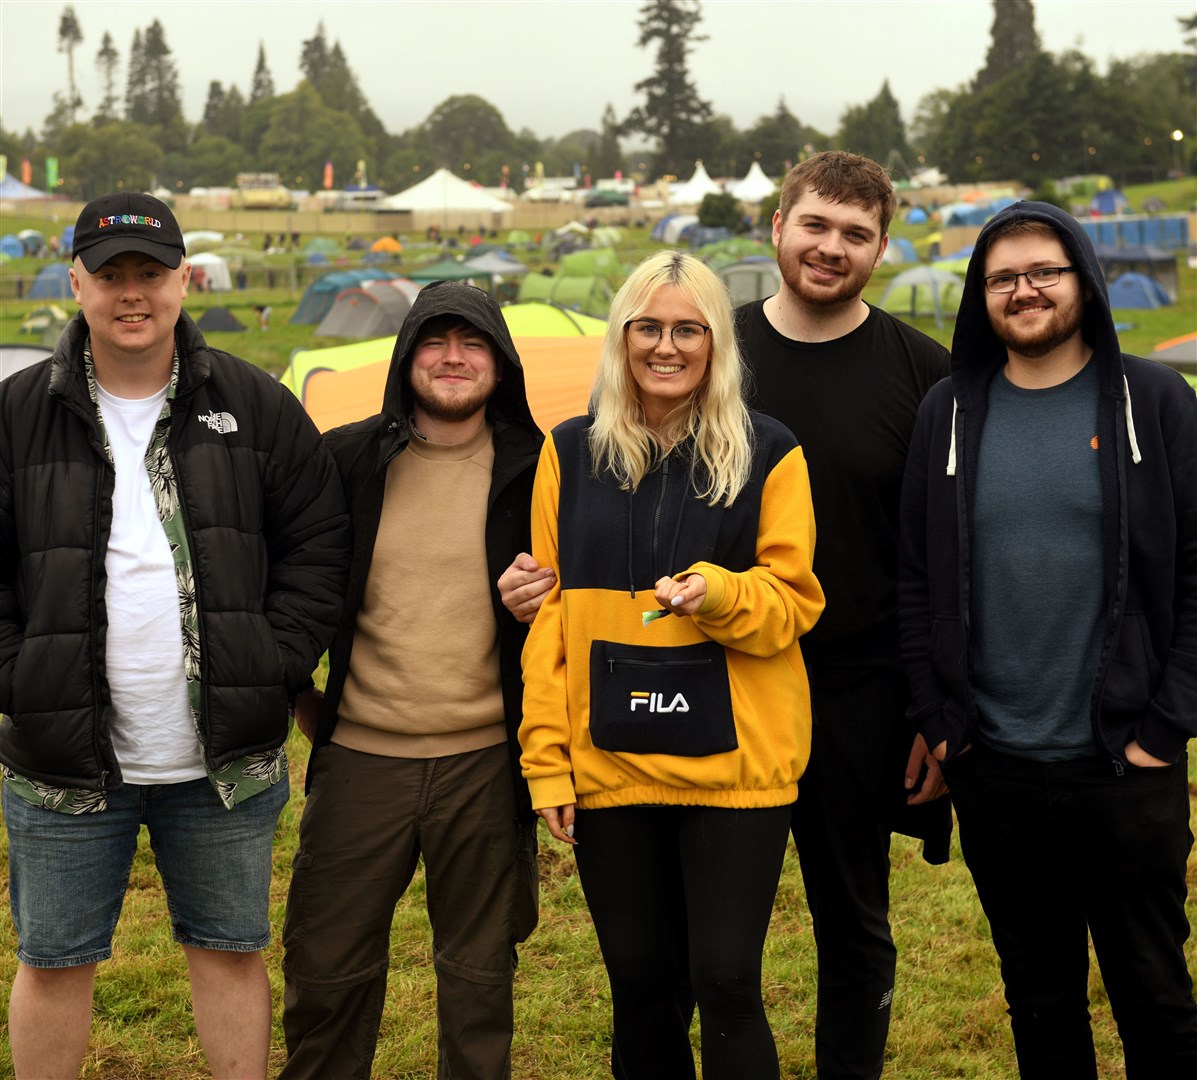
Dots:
{"x": 1146, "y": 683}
{"x": 364, "y": 449}
{"x": 268, "y": 537}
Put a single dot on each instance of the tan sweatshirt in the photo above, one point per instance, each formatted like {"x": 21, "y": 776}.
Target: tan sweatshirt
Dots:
{"x": 423, "y": 677}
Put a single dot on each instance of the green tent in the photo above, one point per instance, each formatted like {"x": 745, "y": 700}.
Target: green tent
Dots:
{"x": 589, "y": 295}
{"x": 592, "y": 262}
{"x": 537, "y": 318}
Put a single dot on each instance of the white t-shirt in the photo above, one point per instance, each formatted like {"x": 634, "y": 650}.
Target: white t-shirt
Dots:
{"x": 152, "y": 731}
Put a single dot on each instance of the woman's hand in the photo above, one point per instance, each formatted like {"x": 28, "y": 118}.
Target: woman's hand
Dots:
{"x": 560, "y": 820}
{"x": 683, "y": 597}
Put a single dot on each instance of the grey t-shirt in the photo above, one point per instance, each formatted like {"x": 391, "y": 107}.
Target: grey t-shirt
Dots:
{"x": 1037, "y": 594}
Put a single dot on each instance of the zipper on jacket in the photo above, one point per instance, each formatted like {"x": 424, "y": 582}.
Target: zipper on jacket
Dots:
{"x": 96, "y": 565}
{"x": 629, "y": 661}
{"x": 657, "y": 519}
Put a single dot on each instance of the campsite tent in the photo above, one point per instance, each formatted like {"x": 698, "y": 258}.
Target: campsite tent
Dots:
{"x": 558, "y": 349}
{"x": 536, "y": 318}
{"x": 53, "y": 282}
{"x": 678, "y": 228}
{"x": 658, "y": 230}
{"x": 365, "y": 313}
{"x": 495, "y": 263}
{"x": 442, "y": 191}
{"x": 11, "y": 246}
{"x": 1137, "y": 291}
{"x": 591, "y": 261}
{"x": 923, "y": 290}
{"x": 1110, "y": 201}
{"x": 692, "y": 191}
{"x": 201, "y": 240}
{"x": 14, "y": 358}
{"x": 322, "y": 292}
{"x": 219, "y": 318}
{"x": 589, "y": 295}
{"x": 916, "y": 216}
{"x": 1154, "y": 262}
{"x": 751, "y": 279}
{"x": 754, "y": 187}
{"x": 12, "y": 190}
{"x": 216, "y": 271}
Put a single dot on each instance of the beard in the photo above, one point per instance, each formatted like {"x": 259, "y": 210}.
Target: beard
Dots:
{"x": 846, "y": 290}
{"x": 1037, "y": 342}
{"x": 451, "y": 405}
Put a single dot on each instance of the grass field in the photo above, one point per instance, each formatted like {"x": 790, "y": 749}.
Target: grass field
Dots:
{"x": 949, "y": 1019}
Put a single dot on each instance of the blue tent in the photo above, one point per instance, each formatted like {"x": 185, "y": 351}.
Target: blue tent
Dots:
{"x": 1138, "y": 291}
{"x": 53, "y": 282}
{"x": 12, "y": 190}
{"x": 906, "y": 247}
{"x": 322, "y": 292}
{"x": 917, "y": 216}
{"x": 1110, "y": 201}
{"x": 11, "y": 246}
{"x": 658, "y": 232}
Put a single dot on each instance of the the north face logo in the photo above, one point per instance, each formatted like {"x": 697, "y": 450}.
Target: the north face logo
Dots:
{"x": 223, "y": 422}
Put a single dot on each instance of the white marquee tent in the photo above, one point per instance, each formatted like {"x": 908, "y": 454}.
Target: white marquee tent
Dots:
{"x": 754, "y": 187}
{"x": 444, "y": 192}
{"x": 692, "y": 191}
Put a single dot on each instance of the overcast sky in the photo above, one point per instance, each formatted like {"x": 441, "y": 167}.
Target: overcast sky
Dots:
{"x": 552, "y": 67}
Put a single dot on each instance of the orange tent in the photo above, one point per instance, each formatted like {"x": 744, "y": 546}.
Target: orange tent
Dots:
{"x": 558, "y": 373}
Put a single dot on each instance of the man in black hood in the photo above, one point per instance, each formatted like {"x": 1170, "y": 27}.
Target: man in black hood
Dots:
{"x": 1049, "y": 629}
{"x": 414, "y": 750}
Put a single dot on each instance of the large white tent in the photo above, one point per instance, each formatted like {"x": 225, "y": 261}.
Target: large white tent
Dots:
{"x": 693, "y": 190}
{"x": 754, "y": 187}
{"x": 442, "y": 191}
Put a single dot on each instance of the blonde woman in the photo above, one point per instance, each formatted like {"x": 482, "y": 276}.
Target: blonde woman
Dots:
{"x": 666, "y": 708}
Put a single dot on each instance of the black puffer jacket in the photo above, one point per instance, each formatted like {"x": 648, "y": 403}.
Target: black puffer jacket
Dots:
{"x": 269, "y": 542}
{"x": 363, "y": 451}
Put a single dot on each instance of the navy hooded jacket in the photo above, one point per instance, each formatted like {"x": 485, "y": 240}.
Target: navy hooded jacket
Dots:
{"x": 1146, "y": 684}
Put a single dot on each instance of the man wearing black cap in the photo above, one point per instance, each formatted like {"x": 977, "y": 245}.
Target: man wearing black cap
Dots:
{"x": 173, "y": 549}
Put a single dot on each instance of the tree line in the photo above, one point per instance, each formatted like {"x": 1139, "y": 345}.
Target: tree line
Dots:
{"x": 1027, "y": 116}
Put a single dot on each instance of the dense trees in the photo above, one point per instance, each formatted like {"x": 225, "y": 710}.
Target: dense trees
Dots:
{"x": 1027, "y": 115}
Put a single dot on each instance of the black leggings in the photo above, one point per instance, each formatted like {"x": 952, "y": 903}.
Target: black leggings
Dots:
{"x": 681, "y": 898}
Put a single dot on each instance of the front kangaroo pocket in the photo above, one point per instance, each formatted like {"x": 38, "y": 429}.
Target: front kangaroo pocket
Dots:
{"x": 646, "y": 700}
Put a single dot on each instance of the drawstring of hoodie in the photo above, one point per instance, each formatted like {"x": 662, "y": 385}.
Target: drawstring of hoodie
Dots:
{"x": 1136, "y": 457}
{"x": 1132, "y": 439}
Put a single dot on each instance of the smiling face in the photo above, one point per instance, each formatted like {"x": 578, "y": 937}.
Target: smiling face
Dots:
{"x": 827, "y": 251}
{"x": 453, "y": 374}
{"x": 1033, "y": 322}
{"x": 131, "y": 304}
{"x": 664, "y": 375}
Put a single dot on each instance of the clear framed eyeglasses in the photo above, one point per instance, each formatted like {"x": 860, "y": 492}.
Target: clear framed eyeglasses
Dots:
{"x": 686, "y": 336}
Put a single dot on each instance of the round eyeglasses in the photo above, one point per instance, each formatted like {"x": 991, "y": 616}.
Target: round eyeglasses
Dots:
{"x": 686, "y": 336}
{"x": 1043, "y": 278}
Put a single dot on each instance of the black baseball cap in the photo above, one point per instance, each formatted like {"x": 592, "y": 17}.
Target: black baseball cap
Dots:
{"x": 127, "y": 221}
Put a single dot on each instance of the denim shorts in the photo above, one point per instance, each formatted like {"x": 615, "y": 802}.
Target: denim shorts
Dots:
{"x": 68, "y": 873}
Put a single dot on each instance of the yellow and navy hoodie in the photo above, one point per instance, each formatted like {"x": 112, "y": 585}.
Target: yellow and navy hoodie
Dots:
{"x": 709, "y": 710}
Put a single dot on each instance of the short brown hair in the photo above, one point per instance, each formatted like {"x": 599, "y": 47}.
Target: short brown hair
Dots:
{"x": 1020, "y": 226}
{"x": 843, "y": 178}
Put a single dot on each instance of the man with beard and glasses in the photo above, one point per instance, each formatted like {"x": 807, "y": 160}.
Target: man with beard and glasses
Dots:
{"x": 414, "y": 750}
{"x": 1049, "y": 629}
{"x": 847, "y": 379}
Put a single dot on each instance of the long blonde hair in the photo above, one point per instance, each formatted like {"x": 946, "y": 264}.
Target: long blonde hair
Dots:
{"x": 714, "y": 417}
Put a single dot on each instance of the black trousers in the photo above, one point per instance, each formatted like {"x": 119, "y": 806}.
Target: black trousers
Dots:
{"x": 842, "y": 820}
{"x": 1066, "y": 850}
{"x": 681, "y": 899}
